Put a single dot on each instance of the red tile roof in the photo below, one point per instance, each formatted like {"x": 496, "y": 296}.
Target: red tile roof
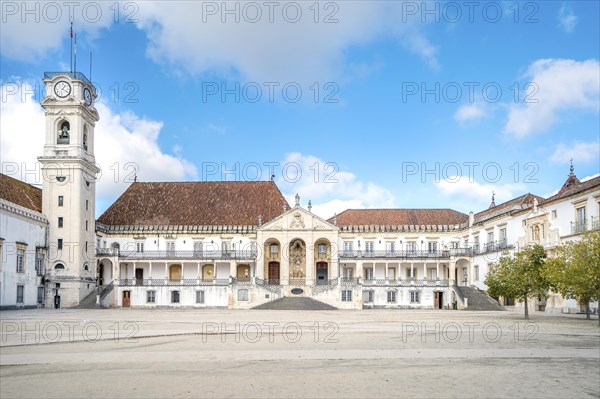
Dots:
{"x": 196, "y": 204}
{"x": 573, "y": 186}
{"x": 20, "y": 193}
{"x": 399, "y": 217}
{"x": 505, "y": 208}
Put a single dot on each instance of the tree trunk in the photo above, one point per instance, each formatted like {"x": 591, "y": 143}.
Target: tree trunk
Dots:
{"x": 587, "y": 309}
{"x": 526, "y": 309}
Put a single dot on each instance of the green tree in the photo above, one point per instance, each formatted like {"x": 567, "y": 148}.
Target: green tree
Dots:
{"x": 519, "y": 276}
{"x": 574, "y": 270}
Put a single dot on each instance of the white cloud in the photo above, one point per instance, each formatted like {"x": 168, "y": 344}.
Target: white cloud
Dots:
{"x": 468, "y": 195}
{"x": 197, "y": 37}
{"x": 32, "y": 29}
{"x": 561, "y": 85}
{"x": 125, "y": 146}
{"x": 470, "y": 112}
{"x": 578, "y": 151}
{"x": 566, "y": 19}
{"x": 329, "y": 188}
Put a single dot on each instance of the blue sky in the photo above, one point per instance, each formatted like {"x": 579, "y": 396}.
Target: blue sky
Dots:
{"x": 486, "y": 96}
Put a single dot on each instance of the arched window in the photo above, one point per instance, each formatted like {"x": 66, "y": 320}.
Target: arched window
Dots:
{"x": 85, "y": 266}
{"x": 64, "y": 133}
{"x": 59, "y": 266}
{"x": 85, "y": 137}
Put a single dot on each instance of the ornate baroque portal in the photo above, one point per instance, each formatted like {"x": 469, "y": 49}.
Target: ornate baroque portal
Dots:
{"x": 298, "y": 259}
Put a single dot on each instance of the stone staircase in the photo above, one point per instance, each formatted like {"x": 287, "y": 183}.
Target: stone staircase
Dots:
{"x": 89, "y": 302}
{"x": 298, "y": 303}
{"x": 479, "y": 300}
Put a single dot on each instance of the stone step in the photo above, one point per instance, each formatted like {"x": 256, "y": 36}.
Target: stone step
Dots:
{"x": 89, "y": 302}
{"x": 298, "y": 303}
{"x": 478, "y": 300}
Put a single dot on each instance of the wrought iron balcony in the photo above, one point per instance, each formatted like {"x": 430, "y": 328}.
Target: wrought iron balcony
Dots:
{"x": 404, "y": 254}
{"x": 177, "y": 255}
{"x": 495, "y": 246}
{"x": 161, "y": 282}
{"x": 578, "y": 227}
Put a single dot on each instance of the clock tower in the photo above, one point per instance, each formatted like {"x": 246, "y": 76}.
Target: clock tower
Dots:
{"x": 69, "y": 174}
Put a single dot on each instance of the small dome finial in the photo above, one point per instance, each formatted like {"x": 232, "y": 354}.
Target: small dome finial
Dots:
{"x": 297, "y": 200}
{"x": 493, "y": 204}
{"x": 571, "y": 169}
{"x": 309, "y": 205}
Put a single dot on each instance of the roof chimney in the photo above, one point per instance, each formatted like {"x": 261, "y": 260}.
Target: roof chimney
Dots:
{"x": 471, "y": 219}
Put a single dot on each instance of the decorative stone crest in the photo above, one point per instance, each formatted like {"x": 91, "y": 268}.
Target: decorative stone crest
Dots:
{"x": 297, "y": 221}
{"x": 297, "y": 259}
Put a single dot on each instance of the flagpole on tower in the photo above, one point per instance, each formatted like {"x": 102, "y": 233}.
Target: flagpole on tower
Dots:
{"x": 71, "y": 48}
{"x": 75, "y": 56}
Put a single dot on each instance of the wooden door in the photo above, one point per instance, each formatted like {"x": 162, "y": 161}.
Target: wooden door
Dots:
{"x": 274, "y": 273}
{"x": 126, "y": 299}
{"x": 175, "y": 272}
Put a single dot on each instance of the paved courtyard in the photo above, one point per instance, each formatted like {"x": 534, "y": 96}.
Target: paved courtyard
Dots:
{"x": 278, "y": 354}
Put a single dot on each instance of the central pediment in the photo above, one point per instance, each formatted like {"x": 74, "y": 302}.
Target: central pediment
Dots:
{"x": 298, "y": 218}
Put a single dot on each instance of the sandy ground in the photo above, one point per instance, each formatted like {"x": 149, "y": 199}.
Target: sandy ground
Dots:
{"x": 279, "y": 354}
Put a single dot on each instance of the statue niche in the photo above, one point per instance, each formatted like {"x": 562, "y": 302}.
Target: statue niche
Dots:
{"x": 297, "y": 259}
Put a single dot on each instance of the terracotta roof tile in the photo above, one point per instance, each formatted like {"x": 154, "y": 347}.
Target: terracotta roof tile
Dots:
{"x": 515, "y": 204}
{"x": 195, "y": 204}
{"x": 382, "y": 217}
{"x": 20, "y": 193}
{"x": 573, "y": 186}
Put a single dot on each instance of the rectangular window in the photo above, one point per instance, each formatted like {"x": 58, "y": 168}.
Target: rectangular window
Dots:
{"x": 410, "y": 275}
{"x": 369, "y": 274}
{"x": 59, "y": 244}
{"x": 415, "y": 297}
{"x": 225, "y": 247}
{"x": 432, "y": 274}
{"x": 199, "y": 296}
{"x": 86, "y": 225}
{"x": 554, "y": 214}
{"x": 369, "y": 246}
{"x": 274, "y": 249}
{"x": 346, "y": 295}
{"x": 242, "y": 295}
{"x": 390, "y": 247}
{"x": 432, "y": 246}
{"x": 40, "y": 296}
{"x": 368, "y": 296}
{"x": 174, "y": 296}
{"x": 411, "y": 246}
{"x": 490, "y": 236}
{"x": 87, "y": 205}
{"x": 60, "y": 222}
{"x": 476, "y": 273}
{"x": 348, "y": 246}
{"x": 391, "y": 296}
{"x": 348, "y": 273}
{"x": 39, "y": 262}
{"x": 20, "y": 260}
{"x": 139, "y": 247}
{"x": 322, "y": 248}
{"x": 151, "y": 296}
{"x": 170, "y": 247}
{"x": 476, "y": 244}
{"x": 503, "y": 235}
{"x": 61, "y": 200}
{"x": 20, "y": 293}
{"x": 197, "y": 248}
{"x": 581, "y": 215}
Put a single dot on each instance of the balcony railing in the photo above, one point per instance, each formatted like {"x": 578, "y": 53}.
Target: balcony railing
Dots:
{"x": 177, "y": 255}
{"x": 404, "y": 254}
{"x": 595, "y": 223}
{"x": 406, "y": 282}
{"x": 495, "y": 246}
{"x": 161, "y": 282}
{"x": 578, "y": 227}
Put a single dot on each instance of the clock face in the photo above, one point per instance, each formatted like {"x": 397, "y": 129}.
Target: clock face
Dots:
{"x": 87, "y": 96}
{"x": 62, "y": 89}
